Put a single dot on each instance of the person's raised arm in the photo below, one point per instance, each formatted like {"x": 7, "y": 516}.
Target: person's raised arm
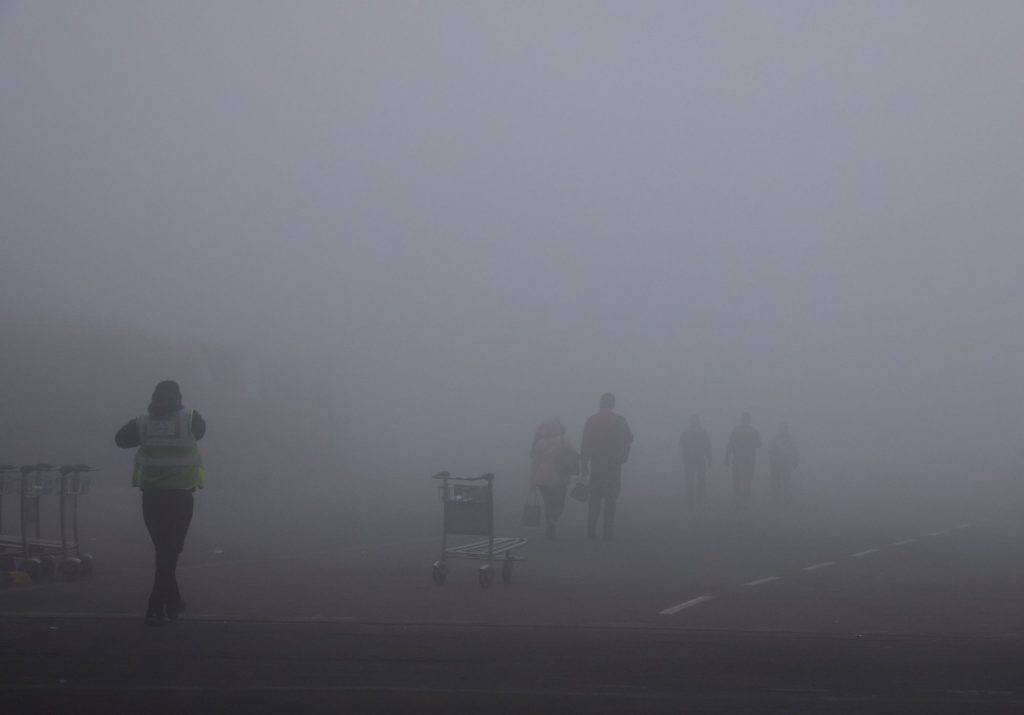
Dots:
{"x": 128, "y": 436}
{"x": 198, "y": 425}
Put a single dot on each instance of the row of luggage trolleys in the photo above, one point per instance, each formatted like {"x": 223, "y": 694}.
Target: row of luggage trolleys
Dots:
{"x": 468, "y": 504}
{"x": 24, "y": 549}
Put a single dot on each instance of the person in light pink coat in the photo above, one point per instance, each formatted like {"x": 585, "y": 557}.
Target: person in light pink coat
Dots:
{"x": 548, "y": 441}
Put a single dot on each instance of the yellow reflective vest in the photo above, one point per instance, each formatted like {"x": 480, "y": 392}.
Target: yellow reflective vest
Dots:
{"x": 168, "y": 457}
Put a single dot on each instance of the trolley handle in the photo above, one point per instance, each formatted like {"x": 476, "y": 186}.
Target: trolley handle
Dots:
{"x": 75, "y": 469}
{"x": 447, "y": 476}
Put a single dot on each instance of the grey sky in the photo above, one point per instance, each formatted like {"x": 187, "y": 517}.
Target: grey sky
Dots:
{"x": 500, "y": 210}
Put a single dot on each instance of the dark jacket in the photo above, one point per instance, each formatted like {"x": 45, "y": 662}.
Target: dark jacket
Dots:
{"x": 606, "y": 439}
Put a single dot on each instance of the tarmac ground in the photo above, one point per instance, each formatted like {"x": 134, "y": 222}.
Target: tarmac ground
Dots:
{"x": 800, "y": 609}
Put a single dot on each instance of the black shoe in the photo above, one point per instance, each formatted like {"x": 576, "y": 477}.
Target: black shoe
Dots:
{"x": 156, "y": 620}
{"x": 174, "y": 611}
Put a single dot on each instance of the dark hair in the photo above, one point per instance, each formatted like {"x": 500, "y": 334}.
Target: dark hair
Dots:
{"x": 608, "y": 400}
{"x": 167, "y": 388}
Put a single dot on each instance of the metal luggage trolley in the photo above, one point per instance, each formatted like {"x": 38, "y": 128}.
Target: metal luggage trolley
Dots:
{"x": 39, "y": 555}
{"x": 31, "y": 487}
{"x": 469, "y": 510}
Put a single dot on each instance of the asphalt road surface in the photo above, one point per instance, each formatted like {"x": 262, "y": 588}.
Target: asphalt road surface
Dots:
{"x": 915, "y": 607}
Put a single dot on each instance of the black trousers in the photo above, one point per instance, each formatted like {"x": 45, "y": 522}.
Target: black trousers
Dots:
{"x": 605, "y": 486}
{"x": 167, "y": 513}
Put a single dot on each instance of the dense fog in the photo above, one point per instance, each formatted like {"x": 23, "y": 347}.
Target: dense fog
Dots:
{"x": 376, "y": 240}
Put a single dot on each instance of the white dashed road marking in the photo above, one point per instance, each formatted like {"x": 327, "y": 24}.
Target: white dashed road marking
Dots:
{"x": 859, "y": 554}
{"x": 813, "y": 567}
{"x": 685, "y": 604}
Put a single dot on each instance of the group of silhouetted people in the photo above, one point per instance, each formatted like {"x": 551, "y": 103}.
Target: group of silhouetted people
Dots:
{"x": 605, "y": 447}
{"x": 741, "y": 455}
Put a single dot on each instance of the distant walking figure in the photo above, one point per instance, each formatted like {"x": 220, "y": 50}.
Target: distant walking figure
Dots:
{"x": 696, "y": 448}
{"x": 603, "y": 450}
{"x": 549, "y": 472}
{"x": 168, "y": 470}
{"x": 741, "y": 453}
{"x": 783, "y": 456}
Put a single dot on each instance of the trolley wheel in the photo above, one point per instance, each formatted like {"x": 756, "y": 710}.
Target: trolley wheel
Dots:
{"x": 8, "y": 562}
{"x": 506, "y": 570}
{"x": 86, "y": 560}
{"x": 32, "y": 567}
{"x": 71, "y": 568}
{"x": 48, "y": 567}
{"x": 440, "y": 572}
{"x": 486, "y": 576}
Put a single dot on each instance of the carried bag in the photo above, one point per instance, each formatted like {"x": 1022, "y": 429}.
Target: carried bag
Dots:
{"x": 580, "y": 491}
{"x": 531, "y": 509}
{"x": 567, "y": 461}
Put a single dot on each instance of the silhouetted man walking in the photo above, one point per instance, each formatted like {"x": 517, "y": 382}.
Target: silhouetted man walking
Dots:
{"x": 696, "y": 447}
{"x": 742, "y": 455}
{"x": 603, "y": 451}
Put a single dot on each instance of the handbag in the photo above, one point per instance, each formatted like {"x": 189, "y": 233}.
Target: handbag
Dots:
{"x": 580, "y": 491}
{"x": 531, "y": 509}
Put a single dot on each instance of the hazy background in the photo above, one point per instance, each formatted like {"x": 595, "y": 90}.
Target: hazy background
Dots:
{"x": 374, "y": 240}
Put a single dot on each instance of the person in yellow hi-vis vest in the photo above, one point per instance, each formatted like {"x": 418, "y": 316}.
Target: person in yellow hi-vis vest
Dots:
{"x": 168, "y": 470}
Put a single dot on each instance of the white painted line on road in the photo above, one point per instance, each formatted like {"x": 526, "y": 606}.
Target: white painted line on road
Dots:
{"x": 865, "y": 552}
{"x": 962, "y": 526}
{"x": 685, "y": 604}
{"x": 822, "y": 565}
{"x": 904, "y": 542}
{"x": 758, "y": 582}
{"x": 937, "y": 533}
